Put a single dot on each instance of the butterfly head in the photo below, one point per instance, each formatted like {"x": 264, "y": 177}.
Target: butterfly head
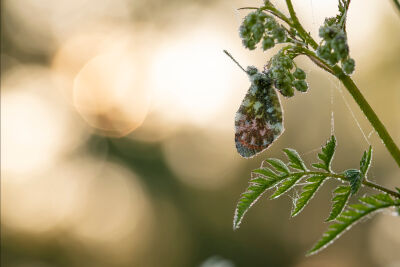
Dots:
{"x": 259, "y": 79}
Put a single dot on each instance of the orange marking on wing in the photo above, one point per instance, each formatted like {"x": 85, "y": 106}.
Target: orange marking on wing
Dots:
{"x": 243, "y": 142}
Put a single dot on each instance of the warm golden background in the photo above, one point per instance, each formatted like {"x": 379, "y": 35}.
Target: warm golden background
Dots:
{"x": 117, "y": 136}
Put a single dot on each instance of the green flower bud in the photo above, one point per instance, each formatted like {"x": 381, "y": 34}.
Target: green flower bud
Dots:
{"x": 300, "y": 85}
{"x": 244, "y": 32}
{"x": 299, "y": 74}
{"x": 287, "y": 90}
{"x": 262, "y": 16}
{"x": 348, "y": 66}
{"x": 251, "y": 19}
{"x": 258, "y": 31}
{"x": 268, "y": 43}
{"x": 249, "y": 43}
{"x": 277, "y": 73}
{"x": 286, "y": 62}
{"x": 333, "y": 59}
{"x": 340, "y": 47}
{"x": 270, "y": 23}
{"x": 279, "y": 34}
{"x": 324, "y": 52}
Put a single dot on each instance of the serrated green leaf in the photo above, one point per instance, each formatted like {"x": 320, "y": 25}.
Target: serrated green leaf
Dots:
{"x": 383, "y": 197}
{"x": 366, "y": 161}
{"x": 256, "y": 188}
{"x": 308, "y": 191}
{"x": 287, "y": 184}
{"x": 369, "y": 201}
{"x": 326, "y": 155}
{"x": 295, "y": 160}
{"x": 266, "y": 172}
{"x": 318, "y": 166}
{"x": 355, "y": 178}
{"x": 340, "y": 198}
{"x": 354, "y": 214}
{"x": 278, "y": 165}
{"x": 341, "y": 190}
{"x": 359, "y": 207}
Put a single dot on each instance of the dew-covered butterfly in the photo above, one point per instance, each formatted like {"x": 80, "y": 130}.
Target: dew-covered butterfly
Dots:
{"x": 259, "y": 119}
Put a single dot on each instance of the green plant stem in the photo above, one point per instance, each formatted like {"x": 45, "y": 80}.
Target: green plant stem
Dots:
{"x": 317, "y": 60}
{"x": 299, "y": 27}
{"x": 381, "y": 188}
{"x": 365, "y": 182}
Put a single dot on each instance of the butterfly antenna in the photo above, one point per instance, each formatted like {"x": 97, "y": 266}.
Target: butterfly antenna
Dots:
{"x": 234, "y": 60}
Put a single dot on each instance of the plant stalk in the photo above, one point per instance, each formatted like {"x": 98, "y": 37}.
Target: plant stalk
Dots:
{"x": 364, "y": 182}
{"x": 381, "y": 188}
{"x": 299, "y": 27}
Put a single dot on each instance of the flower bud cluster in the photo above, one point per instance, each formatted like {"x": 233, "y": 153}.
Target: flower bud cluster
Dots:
{"x": 284, "y": 79}
{"x": 335, "y": 48}
{"x": 259, "y": 26}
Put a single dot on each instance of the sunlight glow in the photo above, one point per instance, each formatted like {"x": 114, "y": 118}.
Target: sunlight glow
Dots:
{"x": 34, "y": 123}
{"x": 191, "y": 78}
{"x": 108, "y": 96}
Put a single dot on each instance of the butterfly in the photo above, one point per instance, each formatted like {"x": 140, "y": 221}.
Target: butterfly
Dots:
{"x": 259, "y": 119}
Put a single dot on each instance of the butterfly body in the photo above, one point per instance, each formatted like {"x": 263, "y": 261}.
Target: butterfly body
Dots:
{"x": 259, "y": 119}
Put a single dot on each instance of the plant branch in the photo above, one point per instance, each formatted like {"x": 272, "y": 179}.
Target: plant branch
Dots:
{"x": 314, "y": 58}
{"x": 380, "y": 188}
{"x": 299, "y": 27}
{"x": 365, "y": 182}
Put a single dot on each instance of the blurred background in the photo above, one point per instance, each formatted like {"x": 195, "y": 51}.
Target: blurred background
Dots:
{"x": 117, "y": 136}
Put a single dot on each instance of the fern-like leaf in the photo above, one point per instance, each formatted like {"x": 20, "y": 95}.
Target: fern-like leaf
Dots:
{"x": 308, "y": 191}
{"x": 326, "y": 155}
{"x": 341, "y": 196}
{"x": 353, "y": 214}
{"x": 265, "y": 180}
{"x": 295, "y": 160}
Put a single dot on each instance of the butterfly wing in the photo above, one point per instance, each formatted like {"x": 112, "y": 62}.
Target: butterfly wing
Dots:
{"x": 259, "y": 120}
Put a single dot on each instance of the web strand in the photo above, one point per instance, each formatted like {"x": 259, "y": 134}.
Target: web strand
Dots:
{"x": 370, "y": 133}
{"x": 332, "y": 114}
{"x": 352, "y": 113}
